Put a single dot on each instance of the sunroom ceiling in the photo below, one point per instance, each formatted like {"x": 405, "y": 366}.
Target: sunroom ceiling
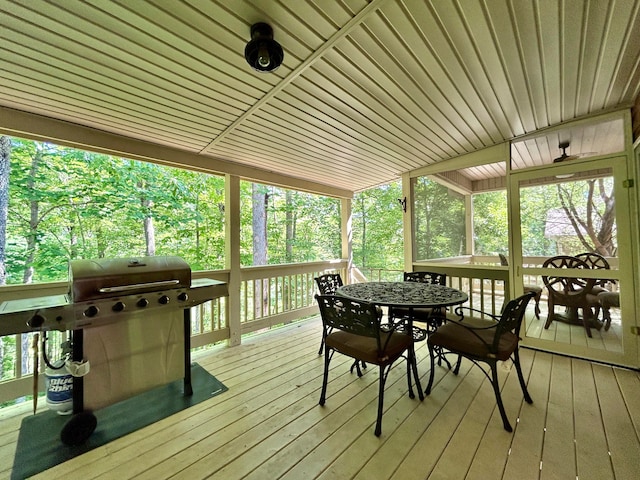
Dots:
{"x": 367, "y": 90}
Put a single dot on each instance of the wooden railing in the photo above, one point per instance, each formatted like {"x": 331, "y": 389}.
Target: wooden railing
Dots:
{"x": 486, "y": 285}
{"x": 482, "y": 278}
{"x": 286, "y": 293}
{"x": 277, "y": 294}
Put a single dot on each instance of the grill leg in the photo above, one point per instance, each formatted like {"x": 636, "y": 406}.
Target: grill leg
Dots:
{"x": 188, "y": 388}
{"x": 79, "y": 427}
{"x": 77, "y": 352}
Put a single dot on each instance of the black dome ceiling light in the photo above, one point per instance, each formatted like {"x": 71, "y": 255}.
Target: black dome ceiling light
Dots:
{"x": 263, "y": 53}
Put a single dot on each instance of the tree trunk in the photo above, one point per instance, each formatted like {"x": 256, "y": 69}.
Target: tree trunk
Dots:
{"x": 149, "y": 229}
{"x": 594, "y": 239}
{"x": 363, "y": 259}
{"x": 34, "y": 219}
{"x": 289, "y": 226}
{"x": 5, "y": 168}
{"x": 259, "y": 223}
{"x": 149, "y": 236}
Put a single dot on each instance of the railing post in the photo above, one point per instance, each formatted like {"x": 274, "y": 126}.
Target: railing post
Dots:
{"x": 232, "y": 256}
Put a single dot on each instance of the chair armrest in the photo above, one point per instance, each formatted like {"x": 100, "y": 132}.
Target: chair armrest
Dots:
{"x": 459, "y": 311}
{"x": 401, "y": 325}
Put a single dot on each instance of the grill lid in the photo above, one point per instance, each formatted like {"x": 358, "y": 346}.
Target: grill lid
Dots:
{"x": 110, "y": 277}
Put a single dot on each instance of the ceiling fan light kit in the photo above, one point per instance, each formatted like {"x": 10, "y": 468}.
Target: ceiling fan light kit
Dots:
{"x": 262, "y": 52}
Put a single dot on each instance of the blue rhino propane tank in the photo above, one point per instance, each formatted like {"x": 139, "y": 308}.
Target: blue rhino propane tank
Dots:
{"x": 59, "y": 388}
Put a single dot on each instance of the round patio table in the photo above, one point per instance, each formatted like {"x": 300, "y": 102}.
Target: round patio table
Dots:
{"x": 408, "y": 295}
{"x": 404, "y": 294}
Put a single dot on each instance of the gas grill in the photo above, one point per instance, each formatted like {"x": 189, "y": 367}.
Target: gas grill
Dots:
{"x": 111, "y": 290}
{"x": 135, "y": 305}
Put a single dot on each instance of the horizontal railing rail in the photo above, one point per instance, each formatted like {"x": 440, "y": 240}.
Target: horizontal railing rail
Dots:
{"x": 276, "y": 294}
{"x": 272, "y": 295}
{"x": 486, "y": 285}
{"x": 285, "y": 293}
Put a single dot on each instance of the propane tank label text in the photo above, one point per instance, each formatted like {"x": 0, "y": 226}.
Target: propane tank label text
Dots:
{"x": 59, "y": 388}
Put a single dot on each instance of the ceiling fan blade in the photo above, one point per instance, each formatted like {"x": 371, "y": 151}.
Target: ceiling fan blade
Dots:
{"x": 564, "y": 157}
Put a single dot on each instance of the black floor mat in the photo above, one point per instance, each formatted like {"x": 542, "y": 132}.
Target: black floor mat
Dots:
{"x": 39, "y": 445}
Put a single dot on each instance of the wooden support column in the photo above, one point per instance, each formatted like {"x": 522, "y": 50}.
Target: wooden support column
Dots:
{"x": 347, "y": 236}
{"x": 468, "y": 224}
{"x": 407, "y": 222}
{"x": 232, "y": 256}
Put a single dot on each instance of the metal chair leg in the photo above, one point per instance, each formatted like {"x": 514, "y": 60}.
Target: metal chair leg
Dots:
{"x": 523, "y": 385}
{"x": 431, "y": 373}
{"x": 496, "y": 390}
{"x": 356, "y": 365}
{"x": 325, "y": 377}
{"x": 383, "y": 378}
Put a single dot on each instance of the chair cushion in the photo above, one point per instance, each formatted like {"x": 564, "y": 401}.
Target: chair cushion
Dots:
{"x": 366, "y": 348}
{"x": 609, "y": 299}
{"x": 459, "y": 339}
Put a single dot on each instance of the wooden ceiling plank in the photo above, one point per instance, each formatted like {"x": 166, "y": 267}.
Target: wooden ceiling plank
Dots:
{"x": 308, "y": 140}
{"x": 431, "y": 70}
{"x": 82, "y": 97}
{"x": 504, "y": 46}
{"x": 483, "y": 45}
{"x": 382, "y": 84}
{"x": 117, "y": 79}
{"x": 335, "y": 120}
{"x": 338, "y": 97}
{"x": 345, "y": 30}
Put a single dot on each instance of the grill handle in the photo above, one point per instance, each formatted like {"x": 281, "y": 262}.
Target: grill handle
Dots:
{"x": 138, "y": 286}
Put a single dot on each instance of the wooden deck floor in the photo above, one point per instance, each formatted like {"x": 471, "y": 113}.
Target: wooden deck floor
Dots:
{"x": 584, "y": 423}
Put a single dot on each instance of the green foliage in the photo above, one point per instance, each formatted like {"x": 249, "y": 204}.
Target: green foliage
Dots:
{"x": 569, "y": 217}
{"x": 67, "y": 204}
{"x": 377, "y": 228}
{"x": 535, "y": 202}
{"x": 439, "y": 217}
{"x": 8, "y": 356}
{"x": 314, "y": 223}
{"x": 490, "y": 223}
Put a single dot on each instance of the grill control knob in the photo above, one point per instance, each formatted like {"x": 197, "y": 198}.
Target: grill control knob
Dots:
{"x": 183, "y": 297}
{"x": 163, "y": 300}
{"x": 143, "y": 302}
{"x": 118, "y": 307}
{"x": 36, "y": 321}
{"x": 91, "y": 311}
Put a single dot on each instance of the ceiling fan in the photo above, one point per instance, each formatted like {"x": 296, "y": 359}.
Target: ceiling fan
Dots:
{"x": 564, "y": 157}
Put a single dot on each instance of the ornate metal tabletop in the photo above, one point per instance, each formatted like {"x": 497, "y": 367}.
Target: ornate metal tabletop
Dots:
{"x": 403, "y": 294}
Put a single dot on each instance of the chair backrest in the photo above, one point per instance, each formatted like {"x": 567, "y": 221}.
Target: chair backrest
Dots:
{"x": 595, "y": 260}
{"x": 560, "y": 286}
{"x": 512, "y": 316}
{"x": 503, "y": 260}
{"x": 426, "y": 277}
{"x": 328, "y": 283}
{"x": 358, "y": 318}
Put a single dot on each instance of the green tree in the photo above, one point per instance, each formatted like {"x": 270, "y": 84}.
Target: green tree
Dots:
{"x": 5, "y": 164}
{"x": 377, "y": 228}
{"x": 439, "y": 217}
{"x": 490, "y": 223}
